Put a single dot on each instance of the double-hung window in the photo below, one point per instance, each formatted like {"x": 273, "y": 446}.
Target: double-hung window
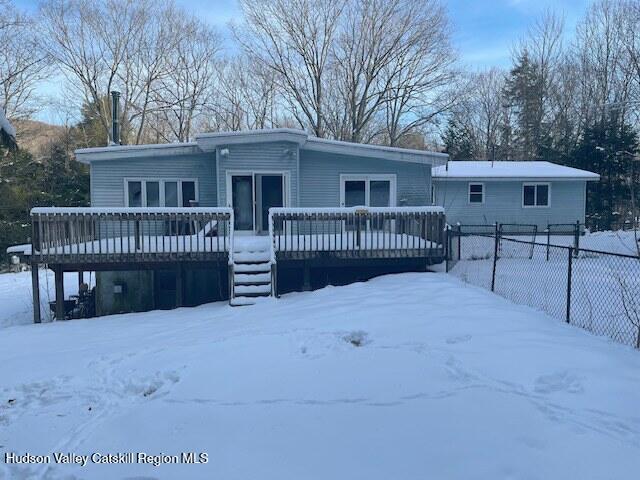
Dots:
{"x": 160, "y": 192}
{"x": 536, "y": 195}
{"x": 476, "y": 193}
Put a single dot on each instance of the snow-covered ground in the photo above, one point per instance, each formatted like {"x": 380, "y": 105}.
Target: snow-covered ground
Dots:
{"x": 16, "y": 301}
{"x": 408, "y": 376}
{"x": 605, "y": 288}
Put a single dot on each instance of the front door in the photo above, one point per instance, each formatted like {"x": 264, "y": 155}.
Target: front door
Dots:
{"x": 252, "y": 195}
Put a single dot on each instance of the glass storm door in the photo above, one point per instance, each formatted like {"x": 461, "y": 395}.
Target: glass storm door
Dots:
{"x": 242, "y": 200}
{"x": 271, "y": 194}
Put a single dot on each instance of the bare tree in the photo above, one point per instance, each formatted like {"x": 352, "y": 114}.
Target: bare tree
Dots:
{"x": 188, "y": 88}
{"x": 423, "y": 83}
{"x": 600, "y": 51}
{"x": 480, "y": 112}
{"x": 294, "y": 38}
{"x": 246, "y": 96}
{"x": 394, "y": 55}
{"x": 23, "y": 65}
{"x": 156, "y": 54}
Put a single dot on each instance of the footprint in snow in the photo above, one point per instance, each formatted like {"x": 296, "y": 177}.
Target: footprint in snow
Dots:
{"x": 558, "y": 382}
{"x": 458, "y": 339}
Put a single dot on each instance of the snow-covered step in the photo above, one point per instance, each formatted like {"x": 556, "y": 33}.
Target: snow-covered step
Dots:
{"x": 252, "y": 267}
{"x": 251, "y": 257}
{"x": 247, "y": 278}
{"x": 242, "y": 301}
{"x": 263, "y": 289}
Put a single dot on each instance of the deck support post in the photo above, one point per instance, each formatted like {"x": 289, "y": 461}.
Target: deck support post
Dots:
{"x": 59, "y": 281}
{"x": 306, "y": 283}
{"x": 179, "y": 286}
{"x": 35, "y": 287}
{"x": 80, "y": 279}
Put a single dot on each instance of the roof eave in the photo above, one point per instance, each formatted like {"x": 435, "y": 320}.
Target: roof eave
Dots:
{"x": 88, "y": 155}
{"x": 517, "y": 179}
{"x": 210, "y": 141}
{"x": 378, "y": 151}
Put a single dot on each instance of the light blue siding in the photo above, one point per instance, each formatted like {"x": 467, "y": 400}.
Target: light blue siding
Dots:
{"x": 503, "y": 203}
{"x": 320, "y": 178}
{"x": 259, "y": 157}
{"x": 107, "y": 177}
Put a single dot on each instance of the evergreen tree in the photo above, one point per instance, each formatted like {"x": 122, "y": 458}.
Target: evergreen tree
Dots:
{"x": 457, "y": 142}
{"x": 523, "y": 94}
{"x": 55, "y": 180}
{"x": 608, "y": 148}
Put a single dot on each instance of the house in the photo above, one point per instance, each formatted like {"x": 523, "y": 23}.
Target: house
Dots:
{"x": 239, "y": 215}
{"x": 7, "y": 132}
{"x": 511, "y": 192}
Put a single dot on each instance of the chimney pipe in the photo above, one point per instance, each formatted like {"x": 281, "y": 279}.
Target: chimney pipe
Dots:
{"x": 115, "y": 116}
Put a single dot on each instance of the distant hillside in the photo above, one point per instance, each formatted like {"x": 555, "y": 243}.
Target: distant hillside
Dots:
{"x": 33, "y": 135}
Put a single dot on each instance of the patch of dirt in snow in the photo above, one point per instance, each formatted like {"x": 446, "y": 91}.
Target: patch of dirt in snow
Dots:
{"x": 357, "y": 338}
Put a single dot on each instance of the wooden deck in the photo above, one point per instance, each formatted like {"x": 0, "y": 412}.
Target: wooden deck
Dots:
{"x": 92, "y": 239}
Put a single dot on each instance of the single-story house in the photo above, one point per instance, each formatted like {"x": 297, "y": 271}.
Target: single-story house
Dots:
{"x": 511, "y": 192}
{"x": 237, "y": 215}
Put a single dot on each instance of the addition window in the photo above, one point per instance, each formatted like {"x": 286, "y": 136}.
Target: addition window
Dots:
{"x": 160, "y": 192}
{"x": 536, "y": 195}
{"x": 476, "y": 193}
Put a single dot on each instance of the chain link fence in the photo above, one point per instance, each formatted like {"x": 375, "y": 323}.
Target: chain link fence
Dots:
{"x": 595, "y": 290}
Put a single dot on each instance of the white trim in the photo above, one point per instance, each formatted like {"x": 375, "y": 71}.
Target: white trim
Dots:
{"x": 475, "y": 193}
{"x": 286, "y": 189}
{"x": 367, "y": 178}
{"x": 162, "y": 181}
{"x": 535, "y": 195}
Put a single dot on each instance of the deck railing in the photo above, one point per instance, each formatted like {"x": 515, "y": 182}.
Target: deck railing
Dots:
{"x": 94, "y": 235}
{"x": 357, "y": 232}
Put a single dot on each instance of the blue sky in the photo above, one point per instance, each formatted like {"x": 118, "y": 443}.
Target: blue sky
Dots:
{"x": 484, "y": 31}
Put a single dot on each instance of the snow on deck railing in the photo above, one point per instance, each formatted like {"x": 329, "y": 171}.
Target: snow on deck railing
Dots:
{"x": 127, "y": 210}
{"x": 63, "y": 234}
{"x": 356, "y": 209}
{"x": 417, "y": 230}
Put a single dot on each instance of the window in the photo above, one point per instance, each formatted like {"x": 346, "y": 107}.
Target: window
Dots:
{"x": 368, "y": 190}
{"x": 476, "y": 193}
{"x": 160, "y": 193}
{"x": 153, "y": 194}
{"x": 170, "y": 194}
{"x": 134, "y": 190}
{"x": 536, "y": 195}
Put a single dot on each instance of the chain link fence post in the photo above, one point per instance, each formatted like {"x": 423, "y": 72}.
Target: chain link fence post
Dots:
{"x": 495, "y": 258}
{"x": 569, "y": 275}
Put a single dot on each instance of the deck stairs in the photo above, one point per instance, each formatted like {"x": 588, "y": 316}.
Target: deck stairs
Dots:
{"x": 251, "y": 270}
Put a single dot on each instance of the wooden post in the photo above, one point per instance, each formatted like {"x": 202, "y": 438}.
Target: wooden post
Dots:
{"x": 80, "y": 279}
{"x": 306, "y": 284}
{"x": 59, "y": 281}
{"x": 35, "y": 287}
{"x": 179, "y": 286}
